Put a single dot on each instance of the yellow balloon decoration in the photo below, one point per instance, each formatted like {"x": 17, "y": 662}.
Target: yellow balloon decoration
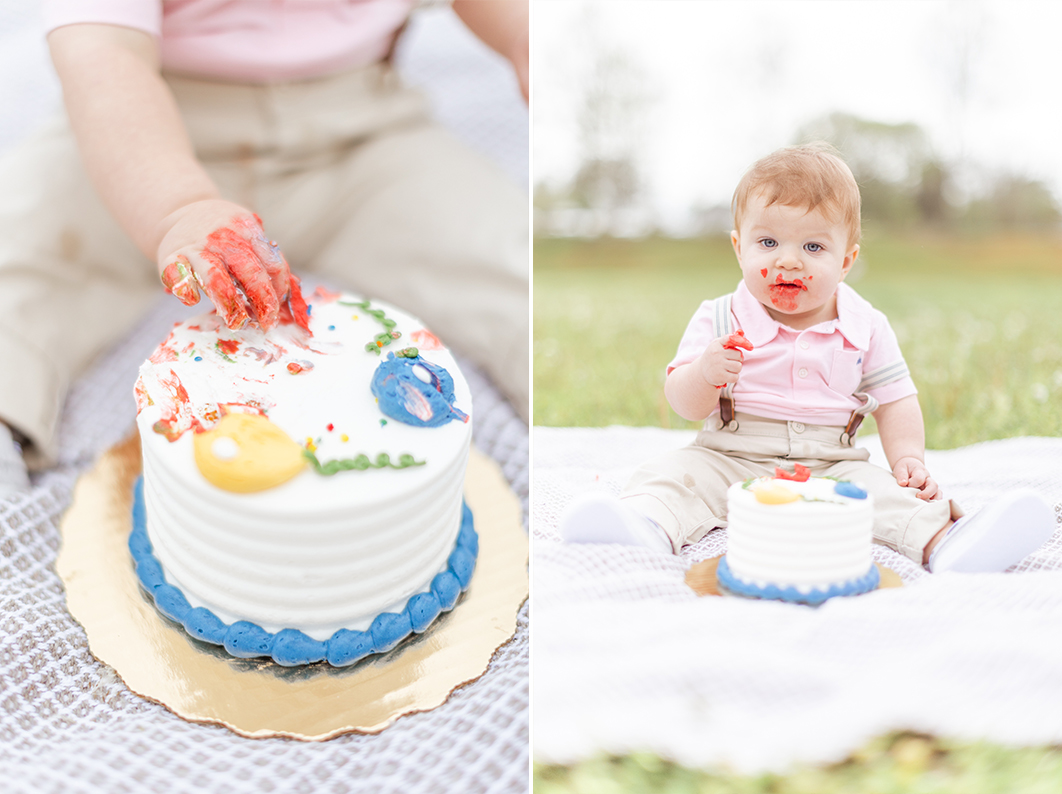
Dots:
{"x": 774, "y": 494}
{"x": 244, "y": 453}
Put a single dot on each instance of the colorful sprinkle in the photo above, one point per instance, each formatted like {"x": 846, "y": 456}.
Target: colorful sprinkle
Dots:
{"x": 383, "y": 422}
{"x": 198, "y": 358}
{"x": 344, "y": 438}
{"x": 331, "y": 328}
{"x": 330, "y": 427}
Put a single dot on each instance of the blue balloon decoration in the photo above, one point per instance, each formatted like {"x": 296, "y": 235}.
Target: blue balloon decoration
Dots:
{"x": 407, "y": 398}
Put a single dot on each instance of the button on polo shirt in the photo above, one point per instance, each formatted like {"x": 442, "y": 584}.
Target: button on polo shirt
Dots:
{"x": 810, "y": 375}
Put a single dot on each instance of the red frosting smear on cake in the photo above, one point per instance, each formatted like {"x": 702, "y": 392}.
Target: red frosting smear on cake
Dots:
{"x": 163, "y": 354}
{"x": 801, "y": 473}
{"x": 426, "y": 340}
{"x": 228, "y": 346}
{"x": 321, "y": 295}
{"x": 143, "y": 399}
{"x": 295, "y": 367}
{"x": 177, "y": 416}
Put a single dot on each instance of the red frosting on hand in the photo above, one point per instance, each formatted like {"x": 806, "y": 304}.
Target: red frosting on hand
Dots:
{"x": 737, "y": 340}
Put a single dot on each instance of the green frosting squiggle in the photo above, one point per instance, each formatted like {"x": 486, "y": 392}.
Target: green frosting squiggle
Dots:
{"x": 360, "y": 463}
{"x": 382, "y": 339}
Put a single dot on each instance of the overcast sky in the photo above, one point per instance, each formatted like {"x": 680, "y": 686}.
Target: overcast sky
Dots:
{"x": 732, "y": 81}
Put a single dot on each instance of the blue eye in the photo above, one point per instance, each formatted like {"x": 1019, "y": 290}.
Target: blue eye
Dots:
{"x": 767, "y": 242}
{"x": 813, "y": 248}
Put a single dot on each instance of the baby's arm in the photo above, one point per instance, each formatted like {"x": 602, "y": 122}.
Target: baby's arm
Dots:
{"x": 138, "y": 155}
{"x": 503, "y": 25}
{"x": 903, "y": 436}
{"x": 693, "y": 389}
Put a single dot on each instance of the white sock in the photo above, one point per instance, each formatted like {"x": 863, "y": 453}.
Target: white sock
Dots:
{"x": 13, "y": 477}
{"x": 993, "y": 539}
{"x": 602, "y": 518}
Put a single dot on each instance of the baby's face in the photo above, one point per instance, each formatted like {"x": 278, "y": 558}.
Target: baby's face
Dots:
{"x": 792, "y": 261}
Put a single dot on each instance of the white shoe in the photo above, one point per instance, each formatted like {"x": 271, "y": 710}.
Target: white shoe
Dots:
{"x": 602, "y": 518}
{"x": 997, "y": 537}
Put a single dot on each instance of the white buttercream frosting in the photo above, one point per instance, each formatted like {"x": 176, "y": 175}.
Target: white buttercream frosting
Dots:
{"x": 316, "y": 553}
{"x": 820, "y": 539}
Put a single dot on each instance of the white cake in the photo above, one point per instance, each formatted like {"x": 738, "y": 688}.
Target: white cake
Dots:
{"x": 812, "y": 537}
{"x": 314, "y": 553}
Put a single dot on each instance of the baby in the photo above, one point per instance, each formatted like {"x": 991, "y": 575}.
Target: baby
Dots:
{"x": 192, "y": 127}
{"x": 784, "y": 370}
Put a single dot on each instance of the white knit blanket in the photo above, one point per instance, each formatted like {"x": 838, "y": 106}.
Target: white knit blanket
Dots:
{"x": 628, "y": 658}
{"x": 67, "y": 724}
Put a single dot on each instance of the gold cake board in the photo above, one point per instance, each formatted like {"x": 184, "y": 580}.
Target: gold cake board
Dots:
{"x": 701, "y": 577}
{"x": 258, "y": 698}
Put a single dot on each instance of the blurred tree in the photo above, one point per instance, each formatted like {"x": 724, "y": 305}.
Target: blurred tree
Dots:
{"x": 900, "y": 179}
{"x": 610, "y": 117}
{"x": 1015, "y": 202}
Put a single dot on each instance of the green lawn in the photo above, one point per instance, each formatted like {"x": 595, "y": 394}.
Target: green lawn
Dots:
{"x": 980, "y": 323}
{"x": 903, "y": 763}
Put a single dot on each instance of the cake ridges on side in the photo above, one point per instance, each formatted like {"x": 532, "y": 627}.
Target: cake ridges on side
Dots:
{"x": 819, "y": 541}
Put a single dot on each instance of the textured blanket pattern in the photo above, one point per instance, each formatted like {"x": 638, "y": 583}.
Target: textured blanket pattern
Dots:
{"x": 67, "y": 724}
{"x": 628, "y": 658}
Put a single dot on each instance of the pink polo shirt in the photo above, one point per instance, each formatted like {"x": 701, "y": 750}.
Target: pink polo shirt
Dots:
{"x": 254, "y": 41}
{"x": 809, "y": 375}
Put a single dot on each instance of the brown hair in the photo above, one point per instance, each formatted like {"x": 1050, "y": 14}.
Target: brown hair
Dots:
{"x": 811, "y": 176}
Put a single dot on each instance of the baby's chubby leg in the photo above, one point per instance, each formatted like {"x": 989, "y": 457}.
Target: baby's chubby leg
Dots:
{"x": 938, "y": 535}
{"x": 13, "y": 477}
{"x": 71, "y": 283}
{"x": 669, "y": 502}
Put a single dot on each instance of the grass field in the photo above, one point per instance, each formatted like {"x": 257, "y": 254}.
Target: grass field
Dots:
{"x": 980, "y": 324}
{"x": 978, "y": 321}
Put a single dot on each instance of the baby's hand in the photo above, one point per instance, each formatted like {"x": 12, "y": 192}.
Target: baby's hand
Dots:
{"x": 721, "y": 361}
{"x": 220, "y": 247}
{"x": 910, "y": 472}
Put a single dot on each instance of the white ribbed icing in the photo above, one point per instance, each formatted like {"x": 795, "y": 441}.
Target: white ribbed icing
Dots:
{"x": 820, "y": 540}
{"x": 316, "y": 553}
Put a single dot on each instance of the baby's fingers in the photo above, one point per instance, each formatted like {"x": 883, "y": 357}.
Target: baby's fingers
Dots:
{"x": 929, "y": 490}
{"x": 232, "y": 255}
{"x": 216, "y": 281}
{"x": 268, "y": 253}
{"x": 178, "y": 279}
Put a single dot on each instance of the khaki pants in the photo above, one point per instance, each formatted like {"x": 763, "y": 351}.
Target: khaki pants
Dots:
{"x": 349, "y": 175}
{"x": 685, "y": 490}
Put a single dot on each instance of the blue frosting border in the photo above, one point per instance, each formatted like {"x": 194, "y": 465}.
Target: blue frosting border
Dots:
{"x": 732, "y": 584}
{"x": 291, "y": 647}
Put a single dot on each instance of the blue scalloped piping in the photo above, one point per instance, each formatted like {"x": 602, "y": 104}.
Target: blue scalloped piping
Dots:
{"x": 731, "y": 583}
{"x": 291, "y": 647}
